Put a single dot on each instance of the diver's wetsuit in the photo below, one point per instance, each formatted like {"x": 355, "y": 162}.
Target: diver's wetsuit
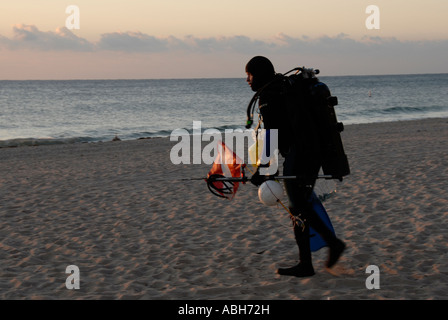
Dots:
{"x": 299, "y": 144}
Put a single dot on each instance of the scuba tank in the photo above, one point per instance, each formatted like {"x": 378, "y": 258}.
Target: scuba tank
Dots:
{"x": 334, "y": 159}
{"x": 306, "y": 91}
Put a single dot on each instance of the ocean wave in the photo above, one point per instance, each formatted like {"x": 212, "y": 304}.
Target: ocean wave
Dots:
{"x": 411, "y": 110}
{"x": 41, "y": 141}
{"x": 18, "y": 142}
{"x": 222, "y": 128}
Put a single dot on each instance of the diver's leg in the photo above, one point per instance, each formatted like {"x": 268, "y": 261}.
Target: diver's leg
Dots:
{"x": 299, "y": 195}
{"x": 305, "y": 266}
{"x": 335, "y": 245}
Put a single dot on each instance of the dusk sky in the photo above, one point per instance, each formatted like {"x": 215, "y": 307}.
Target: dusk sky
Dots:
{"x": 151, "y": 39}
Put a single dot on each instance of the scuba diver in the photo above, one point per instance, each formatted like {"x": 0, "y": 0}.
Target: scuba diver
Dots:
{"x": 298, "y": 143}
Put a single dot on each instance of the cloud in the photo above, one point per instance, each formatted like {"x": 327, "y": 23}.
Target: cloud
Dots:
{"x": 338, "y": 54}
{"x": 369, "y": 55}
{"x": 236, "y": 44}
{"x": 140, "y": 42}
{"x": 133, "y": 42}
{"x": 30, "y": 37}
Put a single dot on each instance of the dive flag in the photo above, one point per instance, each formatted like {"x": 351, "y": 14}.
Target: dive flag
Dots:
{"x": 226, "y": 164}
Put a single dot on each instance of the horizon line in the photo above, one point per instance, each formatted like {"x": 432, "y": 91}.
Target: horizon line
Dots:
{"x": 216, "y": 78}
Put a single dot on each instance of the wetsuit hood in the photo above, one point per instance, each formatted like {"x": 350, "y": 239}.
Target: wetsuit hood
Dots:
{"x": 262, "y": 70}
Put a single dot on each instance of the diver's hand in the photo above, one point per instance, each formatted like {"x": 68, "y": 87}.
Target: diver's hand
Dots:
{"x": 257, "y": 179}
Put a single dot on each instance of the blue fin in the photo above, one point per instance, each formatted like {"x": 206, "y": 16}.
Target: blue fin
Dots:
{"x": 316, "y": 241}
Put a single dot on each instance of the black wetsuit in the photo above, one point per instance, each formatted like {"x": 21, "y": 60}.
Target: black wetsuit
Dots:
{"x": 299, "y": 145}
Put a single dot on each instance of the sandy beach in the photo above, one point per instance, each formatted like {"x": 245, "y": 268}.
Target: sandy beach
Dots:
{"x": 122, "y": 214}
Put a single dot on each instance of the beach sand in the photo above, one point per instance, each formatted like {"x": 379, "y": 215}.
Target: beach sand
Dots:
{"x": 120, "y": 212}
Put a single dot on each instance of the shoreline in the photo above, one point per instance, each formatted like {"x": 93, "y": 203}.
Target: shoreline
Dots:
{"x": 121, "y": 213}
{"x": 36, "y": 142}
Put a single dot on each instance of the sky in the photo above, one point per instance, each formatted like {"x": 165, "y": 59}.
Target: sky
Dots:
{"x": 155, "y": 39}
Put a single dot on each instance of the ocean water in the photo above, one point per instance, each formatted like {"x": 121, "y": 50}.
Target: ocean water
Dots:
{"x": 71, "y": 111}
